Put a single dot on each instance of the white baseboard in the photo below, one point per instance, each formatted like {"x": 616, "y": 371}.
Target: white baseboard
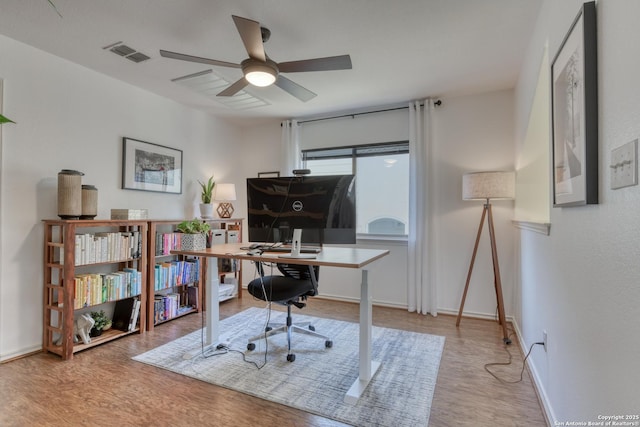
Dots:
{"x": 357, "y": 301}
{"x": 24, "y": 352}
{"x": 472, "y": 314}
{"x": 547, "y": 409}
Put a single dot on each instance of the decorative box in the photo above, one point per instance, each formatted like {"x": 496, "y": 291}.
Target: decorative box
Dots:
{"x": 129, "y": 214}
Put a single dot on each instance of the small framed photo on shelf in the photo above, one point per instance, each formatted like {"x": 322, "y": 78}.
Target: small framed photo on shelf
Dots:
{"x": 151, "y": 167}
{"x": 269, "y": 174}
{"x": 574, "y": 118}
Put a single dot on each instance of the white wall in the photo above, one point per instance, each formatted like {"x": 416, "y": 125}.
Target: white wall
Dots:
{"x": 580, "y": 284}
{"x": 470, "y": 133}
{"x": 69, "y": 117}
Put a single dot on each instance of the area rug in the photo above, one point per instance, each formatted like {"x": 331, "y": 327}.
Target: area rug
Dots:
{"x": 400, "y": 393}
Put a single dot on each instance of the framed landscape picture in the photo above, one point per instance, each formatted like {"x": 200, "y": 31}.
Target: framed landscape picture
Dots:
{"x": 151, "y": 167}
{"x": 574, "y": 118}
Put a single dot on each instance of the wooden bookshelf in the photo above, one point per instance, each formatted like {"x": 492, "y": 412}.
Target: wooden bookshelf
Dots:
{"x": 188, "y": 293}
{"x": 65, "y": 258}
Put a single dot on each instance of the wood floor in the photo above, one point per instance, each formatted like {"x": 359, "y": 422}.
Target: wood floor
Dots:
{"x": 104, "y": 387}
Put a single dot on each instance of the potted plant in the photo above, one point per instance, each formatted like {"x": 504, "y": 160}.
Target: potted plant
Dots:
{"x": 194, "y": 235}
{"x": 102, "y": 322}
{"x": 206, "y": 207}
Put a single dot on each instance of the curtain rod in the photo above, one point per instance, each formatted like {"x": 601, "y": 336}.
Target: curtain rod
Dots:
{"x": 437, "y": 103}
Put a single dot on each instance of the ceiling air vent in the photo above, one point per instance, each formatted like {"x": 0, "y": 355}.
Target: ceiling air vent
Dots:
{"x": 209, "y": 84}
{"x": 125, "y": 51}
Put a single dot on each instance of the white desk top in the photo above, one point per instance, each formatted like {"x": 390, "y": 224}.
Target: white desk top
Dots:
{"x": 329, "y": 256}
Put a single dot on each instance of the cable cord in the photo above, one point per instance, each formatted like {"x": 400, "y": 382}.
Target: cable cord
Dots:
{"x": 506, "y": 348}
{"x": 223, "y": 349}
{"x": 524, "y": 362}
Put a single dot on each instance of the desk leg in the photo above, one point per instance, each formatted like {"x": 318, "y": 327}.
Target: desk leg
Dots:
{"x": 368, "y": 368}
{"x": 212, "y": 313}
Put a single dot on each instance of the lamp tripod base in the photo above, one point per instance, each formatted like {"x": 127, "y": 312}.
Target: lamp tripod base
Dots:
{"x": 486, "y": 213}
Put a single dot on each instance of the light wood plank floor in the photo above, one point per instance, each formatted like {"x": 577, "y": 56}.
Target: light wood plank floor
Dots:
{"x": 104, "y": 387}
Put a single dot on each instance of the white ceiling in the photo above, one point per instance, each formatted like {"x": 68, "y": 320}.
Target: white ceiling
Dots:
{"x": 400, "y": 50}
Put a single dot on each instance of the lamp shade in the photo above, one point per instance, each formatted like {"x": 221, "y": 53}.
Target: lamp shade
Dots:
{"x": 488, "y": 185}
{"x": 225, "y": 192}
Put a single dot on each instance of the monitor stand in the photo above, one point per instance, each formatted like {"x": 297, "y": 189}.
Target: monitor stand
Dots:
{"x": 296, "y": 245}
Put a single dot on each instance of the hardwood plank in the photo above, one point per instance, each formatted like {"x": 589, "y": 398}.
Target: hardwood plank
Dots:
{"x": 102, "y": 386}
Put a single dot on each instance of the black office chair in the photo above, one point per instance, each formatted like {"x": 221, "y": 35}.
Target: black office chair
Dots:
{"x": 292, "y": 288}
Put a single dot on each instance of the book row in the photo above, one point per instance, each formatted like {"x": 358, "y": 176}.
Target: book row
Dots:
{"x": 171, "y": 305}
{"x": 166, "y": 242}
{"x": 106, "y": 247}
{"x": 126, "y": 314}
{"x": 175, "y": 273}
{"x": 93, "y": 288}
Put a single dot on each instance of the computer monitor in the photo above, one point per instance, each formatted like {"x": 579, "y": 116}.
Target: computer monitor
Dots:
{"x": 323, "y": 207}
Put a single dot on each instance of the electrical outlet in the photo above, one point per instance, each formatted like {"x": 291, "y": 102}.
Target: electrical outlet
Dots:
{"x": 544, "y": 340}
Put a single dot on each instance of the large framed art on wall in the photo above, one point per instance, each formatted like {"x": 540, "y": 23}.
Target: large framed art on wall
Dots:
{"x": 574, "y": 118}
{"x": 151, "y": 167}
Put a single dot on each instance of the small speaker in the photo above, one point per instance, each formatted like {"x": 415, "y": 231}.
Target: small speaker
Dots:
{"x": 297, "y": 172}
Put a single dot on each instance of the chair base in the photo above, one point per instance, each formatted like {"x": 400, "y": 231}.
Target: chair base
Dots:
{"x": 304, "y": 328}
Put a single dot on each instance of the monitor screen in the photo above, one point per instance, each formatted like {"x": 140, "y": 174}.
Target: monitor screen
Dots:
{"x": 324, "y": 207}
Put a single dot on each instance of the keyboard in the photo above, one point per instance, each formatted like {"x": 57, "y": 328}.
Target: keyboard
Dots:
{"x": 287, "y": 249}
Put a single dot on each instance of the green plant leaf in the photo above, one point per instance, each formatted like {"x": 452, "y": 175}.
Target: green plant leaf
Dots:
{"x": 55, "y": 8}
{"x": 194, "y": 226}
{"x": 3, "y": 119}
{"x": 100, "y": 318}
{"x": 207, "y": 190}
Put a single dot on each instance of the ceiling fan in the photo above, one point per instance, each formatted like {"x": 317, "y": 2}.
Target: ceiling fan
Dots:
{"x": 259, "y": 69}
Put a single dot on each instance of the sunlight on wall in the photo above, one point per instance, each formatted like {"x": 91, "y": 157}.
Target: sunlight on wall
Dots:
{"x": 532, "y": 165}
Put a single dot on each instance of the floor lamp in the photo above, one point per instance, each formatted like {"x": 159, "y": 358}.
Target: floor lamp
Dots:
{"x": 486, "y": 186}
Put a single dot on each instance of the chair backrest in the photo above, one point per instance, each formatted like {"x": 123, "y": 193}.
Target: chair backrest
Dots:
{"x": 301, "y": 272}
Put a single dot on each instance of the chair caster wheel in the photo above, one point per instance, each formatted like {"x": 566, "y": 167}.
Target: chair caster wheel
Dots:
{"x": 312, "y": 328}
{"x": 328, "y": 343}
{"x": 268, "y": 328}
{"x": 251, "y": 346}
{"x": 291, "y": 357}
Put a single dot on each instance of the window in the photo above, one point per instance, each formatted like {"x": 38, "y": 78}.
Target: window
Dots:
{"x": 382, "y": 182}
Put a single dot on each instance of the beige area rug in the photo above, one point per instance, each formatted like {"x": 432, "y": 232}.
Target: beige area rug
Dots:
{"x": 400, "y": 394}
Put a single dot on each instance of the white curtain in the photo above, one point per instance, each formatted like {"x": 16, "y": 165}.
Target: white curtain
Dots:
{"x": 421, "y": 259}
{"x": 290, "y": 148}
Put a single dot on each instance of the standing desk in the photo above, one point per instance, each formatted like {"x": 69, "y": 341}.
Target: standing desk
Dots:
{"x": 329, "y": 257}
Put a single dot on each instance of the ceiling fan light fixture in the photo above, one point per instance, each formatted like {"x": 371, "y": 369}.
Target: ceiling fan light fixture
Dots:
{"x": 259, "y": 73}
{"x": 260, "y": 78}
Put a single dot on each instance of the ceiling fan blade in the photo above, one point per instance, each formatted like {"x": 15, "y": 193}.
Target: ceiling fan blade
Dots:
{"x": 294, "y": 89}
{"x": 183, "y": 57}
{"x": 251, "y": 37}
{"x": 342, "y": 62}
{"x": 234, "y": 88}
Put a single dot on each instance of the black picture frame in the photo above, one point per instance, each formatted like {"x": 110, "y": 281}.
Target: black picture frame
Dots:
{"x": 574, "y": 114}
{"x": 151, "y": 167}
{"x": 275, "y": 174}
